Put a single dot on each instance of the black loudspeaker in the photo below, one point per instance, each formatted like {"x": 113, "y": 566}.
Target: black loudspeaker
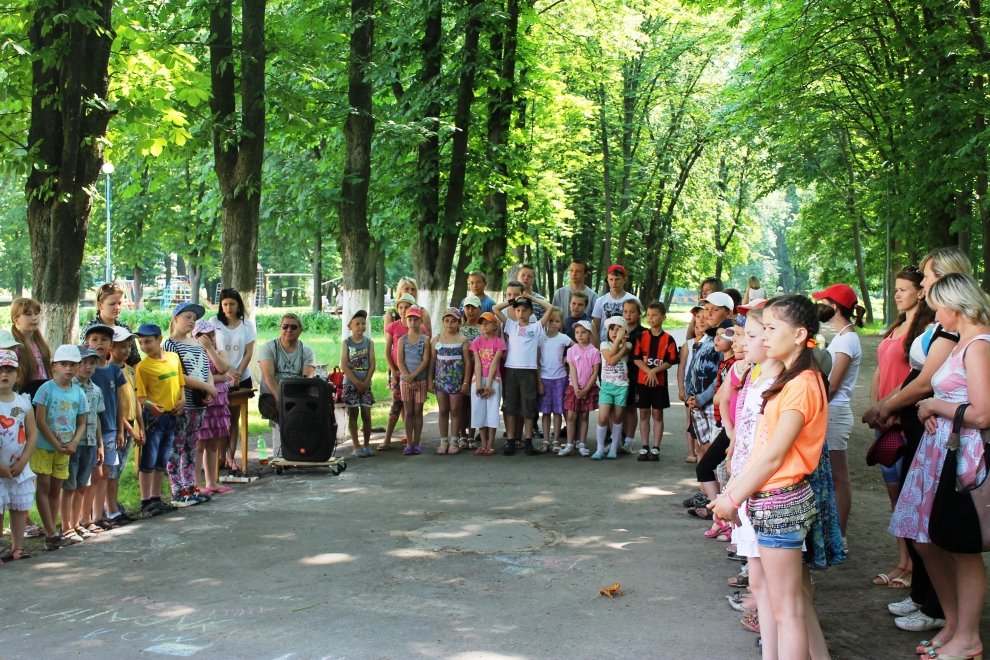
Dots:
{"x": 307, "y": 427}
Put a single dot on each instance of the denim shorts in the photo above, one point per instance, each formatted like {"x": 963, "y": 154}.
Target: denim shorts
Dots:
{"x": 892, "y": 474}
{"x": 81, "y": 466}
{"x": 122, "y": 454}
{"x": 110, "y": 457}
{"x": 158, "y": 436}
{"x": 789, "y": 541}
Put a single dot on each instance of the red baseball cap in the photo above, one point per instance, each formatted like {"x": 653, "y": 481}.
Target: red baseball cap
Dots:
{"x": 840, "y": 293}
{"x": 617, "y": 268}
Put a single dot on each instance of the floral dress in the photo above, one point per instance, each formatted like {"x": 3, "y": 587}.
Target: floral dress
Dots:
{"x": 914, "y": 506}
{"x": 448, "y": 373}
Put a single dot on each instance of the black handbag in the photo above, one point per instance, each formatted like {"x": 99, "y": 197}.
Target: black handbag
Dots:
{"x": 960, "y": 518}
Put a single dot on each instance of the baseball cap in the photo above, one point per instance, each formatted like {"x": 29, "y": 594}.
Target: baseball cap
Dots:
{"x": 696, "y": 309}
{"x": 451, "y": 311}
{"x": 7, "y": 340}
{"x": 98, "y": 327}
{"x": 415, "y": 311}
{"x": 753, "y": 304}
{"x": 522, "y": 301}
{"x": 86, "y": 352}
{"x": 488, "y": 316}
{"x": 186, "y": 306}
{"x": 148, "y": 330}
{"x": 67, "y": 353}
{"x": 121, "y": 334}
{"x": 405, "y": 297}
{"x": 8, "y": 358}
{"x": 617, "y": 268}
{"x": 203, "y": 327}
{"x": 720, "y": 299}
{"x": 360, "y": 314}
{"x": 840, "y": 293}
{"x": 615, "y": 320}
{"x": 472, "y": 300}
{"x": 584, "y": 323}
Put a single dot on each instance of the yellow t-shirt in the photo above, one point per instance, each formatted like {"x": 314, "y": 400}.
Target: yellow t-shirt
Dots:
{"x": 161, "y": 381}
{"x": 805, "y": 394}
{"x": 128, "y": 396}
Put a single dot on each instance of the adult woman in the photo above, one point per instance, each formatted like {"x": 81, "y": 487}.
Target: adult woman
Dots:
{"x": 109, "y": 298}
{"x": 408, "y": 285}
{"x": 33, "y": 355}
{"x": 959, "y": 578}
{"x": 914, "y": 316}
{"x": 846, "y": 353}
{"x": 753, "y": 291}
{"x": 235, "y": 336}
{"x": 920, "y": 611}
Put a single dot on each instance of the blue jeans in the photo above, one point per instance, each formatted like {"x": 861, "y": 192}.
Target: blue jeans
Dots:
{"x": 159, "y": 434}
{"x": 789, "y": 541}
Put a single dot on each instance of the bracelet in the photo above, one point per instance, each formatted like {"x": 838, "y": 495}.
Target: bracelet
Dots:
{"x": 735, "y": 505}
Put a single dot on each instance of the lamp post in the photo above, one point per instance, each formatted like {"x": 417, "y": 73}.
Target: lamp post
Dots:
{"x": 108, "y": 170}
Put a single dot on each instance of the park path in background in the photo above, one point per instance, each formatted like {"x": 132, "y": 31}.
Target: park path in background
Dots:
{"x": 437, "y": 557}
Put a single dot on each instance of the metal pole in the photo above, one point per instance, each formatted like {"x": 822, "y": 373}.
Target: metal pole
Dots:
{"x": 108, "y": 170}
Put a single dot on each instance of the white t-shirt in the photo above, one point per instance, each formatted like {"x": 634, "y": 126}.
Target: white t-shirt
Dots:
{"x": 233, "y": 341}
{"x": 618, "y": 373}
{"x": 552, "y": 353}
{"x": 523, "y": 342}
{"x": 847, "y": 343}
{"x": 606, "y": 307}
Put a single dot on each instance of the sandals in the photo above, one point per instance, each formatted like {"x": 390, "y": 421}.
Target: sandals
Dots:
{"x": 53, "y": 543}
{"x": 739, "y": 581}
{"x": 454, "y": 448}
{"x": 751, "y": 622}
{"x": 901, "y": 582}
{"x": 720, "y": 527}
{"x": 71, "y": 537}
{"x": 33, "y": 531}
{"x": 479, "y": 452}
{"x": 702, "y": 512}
{"x": 20, "y": 553}
{"x": 94, "y": 529}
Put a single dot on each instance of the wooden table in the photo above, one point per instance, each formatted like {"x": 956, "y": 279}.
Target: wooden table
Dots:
{"x": 239, "y": 399}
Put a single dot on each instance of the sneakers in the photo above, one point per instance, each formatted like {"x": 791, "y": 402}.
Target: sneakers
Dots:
{"x": 598, "y": 455}
{"x": 510, "y": 448}
{"x": 529, "y": 449}
{"x": 903, "y": 607}
{"x": 583, "y": 450}
{"x": 625, "y": 448}
{"x": 696, "y": 501}
{"x": 555, "y": 447}
{"x": 918, "y": 621}
{"x": 565, "y": 450}
{"x": 644, "y": 454}
{"x": 611, "y": 455}
{"x": 407, "y": 450}
{"x": 182, "y": 501}
{"x": 654, "y": 454}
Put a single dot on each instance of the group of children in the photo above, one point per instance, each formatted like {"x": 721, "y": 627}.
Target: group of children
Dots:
{"x": 522, "y": 358}
{"x": 65, "y": 446}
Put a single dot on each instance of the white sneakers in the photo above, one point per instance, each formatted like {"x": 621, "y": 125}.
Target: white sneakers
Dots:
{"x": 903, "y": 607}
{"x": 918, "y": 621}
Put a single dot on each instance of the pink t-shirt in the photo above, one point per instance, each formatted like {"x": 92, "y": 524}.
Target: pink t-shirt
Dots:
{"x": 486, "y": 349}
{"x": 584, "y": 360}
{"x": 892, "y": 364}
{"x": 396, "y": 329}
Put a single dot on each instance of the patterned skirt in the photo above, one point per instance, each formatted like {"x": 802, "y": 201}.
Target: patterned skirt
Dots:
{"x": 216, "y": 420}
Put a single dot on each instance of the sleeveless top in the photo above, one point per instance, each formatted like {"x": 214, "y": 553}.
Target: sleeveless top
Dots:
{"x": 358, "y": 358}
{"x": 414, "y": 354}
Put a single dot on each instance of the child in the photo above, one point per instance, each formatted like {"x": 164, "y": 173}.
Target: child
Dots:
{"x": 655, "y": 352}
{"x": 611, "y": 303}
{"x": 357, "y": 361}
{"x": 448, "y": 377}
{"x": 32, "y": 350}
{"x": 699, "y": 382}
{"x": 614, "y": 388}
{"x": 632, "y": 314}
{"x": 413, "y": 361}
{"x": 519, "y": 394}
{"x": 477, "y": 281}
{"x": 60, "y": 411}
{"x": 577, "y": 311}
{"x": 88, "y": 454}
{"x": 581, "y": 395}
{"x": 695, "y": 335}
{"x": 393, "y": 332}
{"x": 471, "y": 329}
{"x": 110, "y": 379}
{"x": 199, "y": 390}
{"x": 553, "y": 376}
{"x": 160, "y": 386}
{"x": 133, "y": 422}
{"x": 18, "y": 436}
{"x": 214, "y": 432}
{"x": 488, "y": 350}
{"x": 789, "y": 441}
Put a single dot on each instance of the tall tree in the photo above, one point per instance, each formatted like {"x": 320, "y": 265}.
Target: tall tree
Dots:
{"x": 70, "y": 43}
{"x": 239, "y": 138}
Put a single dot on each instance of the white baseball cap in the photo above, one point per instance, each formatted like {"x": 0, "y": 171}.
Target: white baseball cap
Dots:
{"x": 584, "y": 323}
{"x": 121, "y": 334}
{"x": 615, "y": 320}
{"x": 7, "y": 340}
{"x": 67, "y": 353}
{"x": 721, "y": 299}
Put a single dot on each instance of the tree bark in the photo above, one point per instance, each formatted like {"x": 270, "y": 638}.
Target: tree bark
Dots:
{"x": 317, "y": 268}
{"x": 69, "y": 117}
{"x": 239, "y": 146}
{"x": 359, "y": 126}
{"x": 852, "y": 208}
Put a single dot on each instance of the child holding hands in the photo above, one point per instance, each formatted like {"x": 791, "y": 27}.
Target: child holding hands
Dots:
{"x": 581, "y": 395}
{"x": 18, "y": 435}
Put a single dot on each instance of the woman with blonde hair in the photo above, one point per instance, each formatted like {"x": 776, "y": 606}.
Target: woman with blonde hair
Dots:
{"x": 408, "y": 285}
{"x": 754, "y": 291}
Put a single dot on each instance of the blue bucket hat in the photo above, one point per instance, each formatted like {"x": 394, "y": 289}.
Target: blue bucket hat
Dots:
{"x": 187, "y": 306}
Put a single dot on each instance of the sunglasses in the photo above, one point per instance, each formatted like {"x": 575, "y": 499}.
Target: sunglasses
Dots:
{"x": 107, "y": 289}
{"x": 290, "y": 326}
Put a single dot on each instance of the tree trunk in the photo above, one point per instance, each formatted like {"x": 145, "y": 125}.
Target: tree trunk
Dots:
{"x": 460, "y": 279}
{"x": 69, "y": 117}
{"x": 606, "y": 258}
{"x": 317, "y": 265}
{"x": 359, "y": 128}
{"x": 195, "y": 276}
{"x": 138, "y": 286}
{"x": 854, "y": 215}
{"x": 377, "y": 305}
{"x": 239, "y": 146}
{"x": 500, "y": 102}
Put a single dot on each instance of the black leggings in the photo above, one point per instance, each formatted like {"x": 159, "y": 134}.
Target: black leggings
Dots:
{"x": 715, "y": 455}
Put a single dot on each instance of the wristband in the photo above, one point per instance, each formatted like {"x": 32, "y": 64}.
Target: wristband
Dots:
{"x": 735, "y": 505}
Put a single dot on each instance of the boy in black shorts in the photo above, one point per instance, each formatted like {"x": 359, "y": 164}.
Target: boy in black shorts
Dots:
{"x": 654, "y": 352}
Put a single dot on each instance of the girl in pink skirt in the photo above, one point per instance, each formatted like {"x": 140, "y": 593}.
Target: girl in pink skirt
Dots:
{"x": 215, "y": 429}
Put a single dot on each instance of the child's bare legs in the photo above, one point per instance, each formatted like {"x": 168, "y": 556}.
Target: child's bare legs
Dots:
{"x": 604, "y": 420}
{"x": 785, "y": 585}
{"x": 657, "y": 427}
{"x": 692, "y": 442}
{"x": 644, "y": 427}
{"x": 444, "y": 417}
{"x": 456, "y": 403}
{"x": 18, "y": 521}
{"x": 488, "y": 439}
{"x": 768, "y": 626}
{"x": 414, "y": 422}
{"x": 572, "y": 423}
{"x": 816, "y": 638}
{"x": 80, "y": 498}
{"x": 511, "y": 426}
{"x": 97, "y": 496}
{"x": 396, "y": 411}
{"x": 207, "y": 454}
{"x": 47, "y": 498}
{"x": 352, "y": 427}
{"x": 630, "y": 423}
{"x": 366, "y": 425}
{"x": 145, "y": 481}
{"x": 113, "y": 488}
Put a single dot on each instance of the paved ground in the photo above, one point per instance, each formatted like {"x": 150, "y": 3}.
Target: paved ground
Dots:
{"x": 430, "y": 556}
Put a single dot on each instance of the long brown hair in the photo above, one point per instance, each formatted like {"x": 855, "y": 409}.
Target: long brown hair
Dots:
{"x": 799, "y": 312}
{"x": 28, "y": 369}
{"x": 923, "y": 315}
